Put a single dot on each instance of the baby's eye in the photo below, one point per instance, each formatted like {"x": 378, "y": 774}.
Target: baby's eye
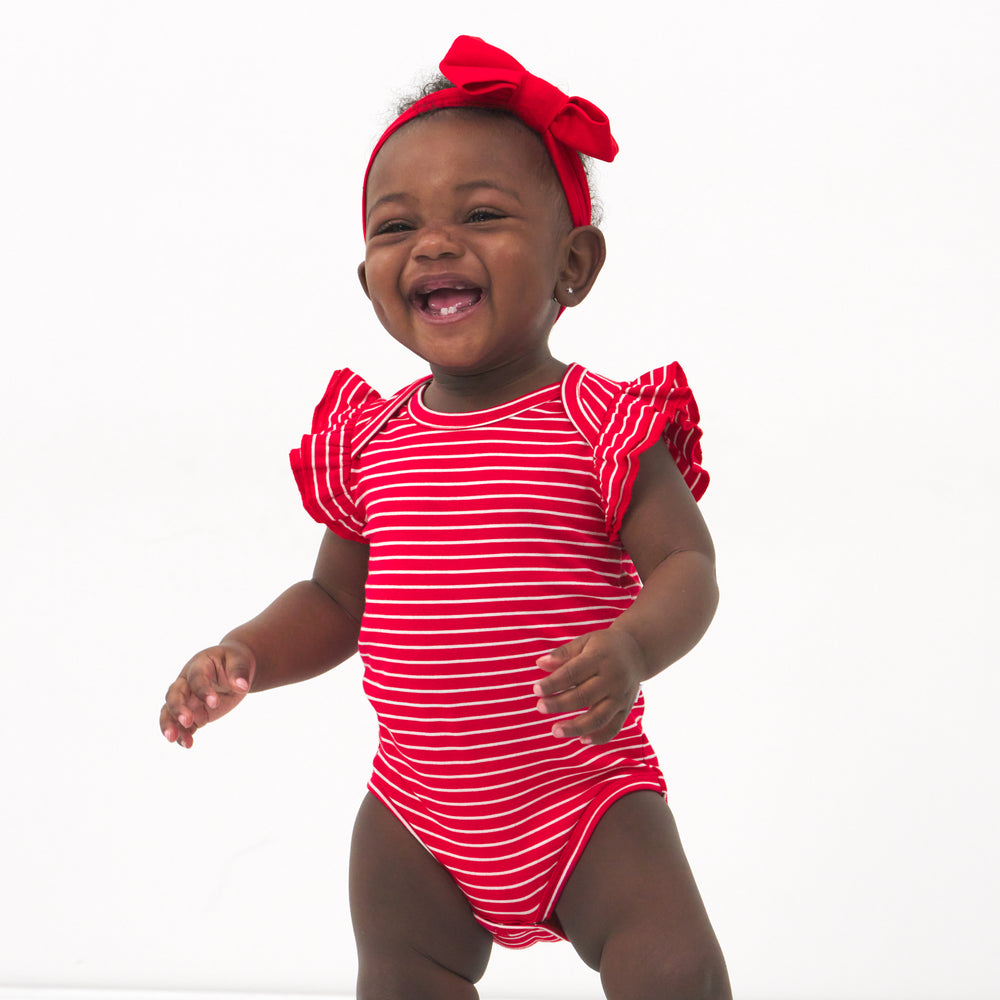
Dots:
{"x": 392, "y": 226}
{"x": 484, "y": 215}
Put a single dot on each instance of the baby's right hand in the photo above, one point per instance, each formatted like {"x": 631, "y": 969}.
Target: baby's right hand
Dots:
{"x": 212, "y": 683}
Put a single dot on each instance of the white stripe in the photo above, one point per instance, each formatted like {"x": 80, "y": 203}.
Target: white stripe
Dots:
{"x": 494, "y": 586}
{"x": 529, "y": 602}
{"x": 451, "y": 487}
{"x": 372, "y": 630}
{"x": 529, "y": 611}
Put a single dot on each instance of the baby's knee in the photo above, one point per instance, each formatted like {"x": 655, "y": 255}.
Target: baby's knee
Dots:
{"x": 408, "y": 975}
{"x": 633, "y": 970}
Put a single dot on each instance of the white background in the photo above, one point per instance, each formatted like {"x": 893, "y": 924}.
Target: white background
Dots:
{"x": 804, "y": 213}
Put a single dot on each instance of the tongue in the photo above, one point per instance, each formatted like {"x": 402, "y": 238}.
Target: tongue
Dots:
{"x": 452, "y": 298}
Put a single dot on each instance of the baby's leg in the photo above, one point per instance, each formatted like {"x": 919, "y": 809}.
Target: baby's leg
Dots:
{"x": 632, "y": 910}
{"x": 416, "y": 935}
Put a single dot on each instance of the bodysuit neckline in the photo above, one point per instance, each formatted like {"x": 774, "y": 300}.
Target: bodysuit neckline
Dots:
{"x": 419, "y": 412}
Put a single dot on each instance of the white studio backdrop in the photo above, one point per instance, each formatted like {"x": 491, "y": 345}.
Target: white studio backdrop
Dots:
{"x": 804, "y": 213}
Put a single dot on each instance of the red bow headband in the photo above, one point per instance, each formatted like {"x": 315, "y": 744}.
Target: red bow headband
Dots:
{"x": 487, "y": 77}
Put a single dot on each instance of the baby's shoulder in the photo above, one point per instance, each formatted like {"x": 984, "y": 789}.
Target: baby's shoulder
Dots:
{"x": 349, "y": 401}
{"x": 597, "y": 403}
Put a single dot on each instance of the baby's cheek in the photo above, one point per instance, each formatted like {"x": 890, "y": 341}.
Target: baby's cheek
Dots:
{"x": 382, "y": 310}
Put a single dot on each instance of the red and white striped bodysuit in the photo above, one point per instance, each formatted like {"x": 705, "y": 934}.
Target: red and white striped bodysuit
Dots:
{"x": 493, "y": 539}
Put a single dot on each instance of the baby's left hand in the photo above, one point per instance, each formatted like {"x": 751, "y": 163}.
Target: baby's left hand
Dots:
{"x": 600, "y": 672}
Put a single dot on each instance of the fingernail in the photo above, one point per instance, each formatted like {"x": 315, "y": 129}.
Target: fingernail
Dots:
{"x": 242, "y": 683}
{"x": 558, "y": 731}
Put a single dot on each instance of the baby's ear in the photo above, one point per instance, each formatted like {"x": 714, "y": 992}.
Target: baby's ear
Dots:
{"x": 363, "y": 277}
{"x": 583, "y": 251}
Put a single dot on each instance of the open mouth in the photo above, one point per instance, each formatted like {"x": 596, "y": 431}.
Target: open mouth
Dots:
{"x": 444, "y": 299}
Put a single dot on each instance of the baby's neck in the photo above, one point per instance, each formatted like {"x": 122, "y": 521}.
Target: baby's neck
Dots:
{"x": 449, "y": 392}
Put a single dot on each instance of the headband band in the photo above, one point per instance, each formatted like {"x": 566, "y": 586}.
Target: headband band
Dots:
{"x": 487, "y": 77}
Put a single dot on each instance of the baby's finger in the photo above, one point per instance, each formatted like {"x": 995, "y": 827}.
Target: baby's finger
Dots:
{"x": 606, "y": 733}
{"x": 173, "y": 731}
{"x": 176, "y": 701}
{"x": 563, "y": 654}
{"x": 573, "y": 699}
{"x": 597, "y": 725}
{"x": 204, "y": 697}
{"x": 187, "y": 707}
{"x": 555, "y": 658}
{"x": 186, "y": 738}
{"x": 203, "y": 680}
{"x": 566, "y": 673}
{"x": 220, "y": 671}
{"x": 238, "y": 678}
{"x": 168, "y": 725}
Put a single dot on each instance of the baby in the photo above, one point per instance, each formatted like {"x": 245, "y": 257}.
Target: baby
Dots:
{"x": 513, "y": 545}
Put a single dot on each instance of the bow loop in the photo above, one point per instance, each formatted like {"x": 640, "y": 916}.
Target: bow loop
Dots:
{"x": 585, "y": 127}
{"x": 481, "y": 69}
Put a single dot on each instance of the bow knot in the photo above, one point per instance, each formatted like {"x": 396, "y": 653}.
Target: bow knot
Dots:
{"x": 537, "y": 102}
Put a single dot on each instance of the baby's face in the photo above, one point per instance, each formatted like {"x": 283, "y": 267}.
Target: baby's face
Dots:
{"x": 466, "y": 227}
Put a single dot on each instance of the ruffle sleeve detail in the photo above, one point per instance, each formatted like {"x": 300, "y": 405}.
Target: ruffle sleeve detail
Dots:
{"x": 322, "y": 463}
{"x": 657, "y": 405}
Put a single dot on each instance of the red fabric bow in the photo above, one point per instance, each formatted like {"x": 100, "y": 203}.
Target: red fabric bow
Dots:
{"x": 485, "y": 76}
{"x": 483, "y": 70}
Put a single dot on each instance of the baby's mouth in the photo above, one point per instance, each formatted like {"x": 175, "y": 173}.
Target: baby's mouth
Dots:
{"x": 447, "y": 300}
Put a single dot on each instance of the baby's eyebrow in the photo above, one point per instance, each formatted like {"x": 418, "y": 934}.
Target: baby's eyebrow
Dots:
{"x": 393, "y": 196}
{"x": 486, "y": 183}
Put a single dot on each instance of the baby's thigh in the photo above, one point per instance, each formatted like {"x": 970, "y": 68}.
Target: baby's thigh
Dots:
{"x": 631, "y": 908}
{"x": 414, "y": 928}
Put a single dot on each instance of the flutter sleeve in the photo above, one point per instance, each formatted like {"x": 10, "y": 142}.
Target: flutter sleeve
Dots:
{"x": 657, "y": 405}
{"x": 322, "y": 463}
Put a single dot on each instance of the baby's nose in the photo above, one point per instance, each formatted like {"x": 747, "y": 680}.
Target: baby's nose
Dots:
{"x": 435, "y": 242}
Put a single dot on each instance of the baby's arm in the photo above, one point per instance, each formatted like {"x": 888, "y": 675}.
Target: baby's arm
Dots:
{"x": 668, "y": 541}
{"x": 310, "y": 628}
